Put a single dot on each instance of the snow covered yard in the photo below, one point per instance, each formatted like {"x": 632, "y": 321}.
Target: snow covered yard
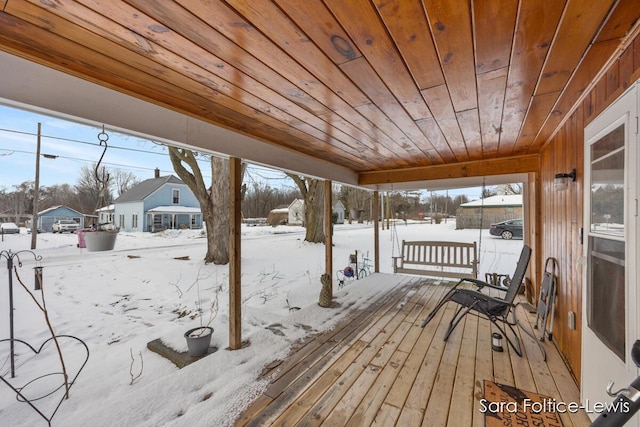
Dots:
{"x": 118, "y": 301}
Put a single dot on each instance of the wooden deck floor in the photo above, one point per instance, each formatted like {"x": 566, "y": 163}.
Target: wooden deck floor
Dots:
{"x": 380, "y": 367}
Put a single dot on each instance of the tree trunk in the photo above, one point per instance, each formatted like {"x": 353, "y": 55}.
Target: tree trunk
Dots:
{"x": 214, "y": 204}
{"x": 312, "y": 191}
{"x": 219, "y": 233}
{"x": 314, "y": 212}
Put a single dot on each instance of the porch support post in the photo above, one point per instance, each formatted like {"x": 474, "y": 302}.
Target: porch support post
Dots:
{"x": 235, "y": 185}
{"x": 376, "y": 232}
{"x": 328, "y": 237}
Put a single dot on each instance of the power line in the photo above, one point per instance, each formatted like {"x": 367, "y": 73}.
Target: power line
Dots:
{"x": 80, "y": 160}
{"x": 255, "y": 169}
{"x": 59, "y": 138}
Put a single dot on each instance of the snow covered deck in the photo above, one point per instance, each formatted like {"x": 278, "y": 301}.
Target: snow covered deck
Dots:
{"x": 379, "y": 367}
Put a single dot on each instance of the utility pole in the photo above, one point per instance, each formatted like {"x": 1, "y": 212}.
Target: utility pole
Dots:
{"x": 36, "y": 194}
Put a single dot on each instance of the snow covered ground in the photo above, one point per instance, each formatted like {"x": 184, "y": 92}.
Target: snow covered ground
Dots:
{"x": 117, "y": 301}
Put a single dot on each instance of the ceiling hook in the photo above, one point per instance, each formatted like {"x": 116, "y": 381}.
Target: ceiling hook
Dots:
{"x": 103, "y": 138}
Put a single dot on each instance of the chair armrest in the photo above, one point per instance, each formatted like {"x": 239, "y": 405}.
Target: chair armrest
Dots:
{"x": 500, "y": 288}
{"x": 478, "y": 283}
{"x": 498, "y": 302}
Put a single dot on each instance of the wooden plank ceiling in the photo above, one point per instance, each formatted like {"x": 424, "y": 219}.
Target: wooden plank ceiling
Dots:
{"x": 377, "y": 86}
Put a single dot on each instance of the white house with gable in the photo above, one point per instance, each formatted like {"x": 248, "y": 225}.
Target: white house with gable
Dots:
{"x": 156, "y": 204}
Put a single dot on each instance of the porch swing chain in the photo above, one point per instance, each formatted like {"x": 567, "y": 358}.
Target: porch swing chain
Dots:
{"x": 484, "y": 186}
{"x": 103, "y": 137}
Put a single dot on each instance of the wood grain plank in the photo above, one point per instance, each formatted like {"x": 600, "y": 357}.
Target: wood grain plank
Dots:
{"x": 462, "y": 402}
{"x": 217, "y": 90}
{"x": 300, "y": 86}
{"x": 579, "y": 22}
{"x": 469, "y": 122}
{"x": 403, "y": 384}
{"x": 336, "y": 44}
{"x": 245, "y": 76}
{"x": 492, "y": 86}
{"x": 432, "y": 383}
{"x": 89, "y": 64}
{"x": 621, "y": 20}
{"x": 321, "y": 27}
{"x": 362, "y": 23}
{"x": 493, "y": 26}
{"x": 371, "y": 406}
{"x": 450, "y": 21}
{"x": 534, "y": 33}
{"x": 520, "y": 164}
{"x": 387, "y": 415}
{"x": 368, "y": 81}
{"x": 304, "y": 86}
{"x": 431, "y": 129}
{"x": 439, "y": 101}
{"x": 345, "y": 409}
{"x": 407, "y": 23}
{"x": 544, "y": 381}
{"x": 319, "y": 362}
{"x": 589, "y": 67}
{"x": 437, "y": 410}
{"x": 541, "y": 107}
{"x": 328, "y": 401}
{"x": 269, "y": 19}
{"x": 287, "y": 416}
{"x": 484, "y": 368}
{"x": 354, "y": 327}
{"x": 424, "y": 383}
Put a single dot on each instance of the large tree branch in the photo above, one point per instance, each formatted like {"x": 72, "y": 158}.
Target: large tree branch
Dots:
{"x": 192, "y": 178}
{"x": 300, "y": 182}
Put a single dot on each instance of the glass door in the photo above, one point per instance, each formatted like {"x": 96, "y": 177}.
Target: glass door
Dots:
{"x": 610, "y": 306}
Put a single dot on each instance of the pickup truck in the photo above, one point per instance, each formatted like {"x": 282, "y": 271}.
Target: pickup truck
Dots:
{"x": 65, "y": 225}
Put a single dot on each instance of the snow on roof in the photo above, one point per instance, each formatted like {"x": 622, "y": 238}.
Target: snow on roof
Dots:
{"x": 499, "y": 200}
{"x": 106, "y": 208}
{"x": 174, "y": 209}
{"x": 280, "y": 210}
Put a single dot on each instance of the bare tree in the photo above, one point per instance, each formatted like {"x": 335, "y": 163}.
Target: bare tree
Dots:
{"x": 91, "y": 192}
{"x": 123, "y": 181}
{"x": 509, "y": 189}
{"x": 356, "y": 201}
{"x": 213, "y": 199}
{"x": 312, "y": 191}
{"x": 261, "y": 198}
{"x": 20, "y": 201}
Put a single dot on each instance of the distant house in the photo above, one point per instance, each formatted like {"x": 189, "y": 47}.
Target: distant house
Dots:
{"x": 106, "y": 214}
{"x": 159, "y": 203}
{"x": 296, "y": 212}
{"x": 489, "y": 210}
{"x": 339, "y": 211}
{"x": 47, "y": 217}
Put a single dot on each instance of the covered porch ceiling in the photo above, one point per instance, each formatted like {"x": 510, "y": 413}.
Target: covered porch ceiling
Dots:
{"x": 368, "y": 92}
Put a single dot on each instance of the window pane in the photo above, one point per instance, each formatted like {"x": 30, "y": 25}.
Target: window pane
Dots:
{"x": 606, "y": 310}
{"x": 607, "y": 184}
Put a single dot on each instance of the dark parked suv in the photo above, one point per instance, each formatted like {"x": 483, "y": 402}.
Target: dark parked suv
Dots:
{"x": 507, "y": 229}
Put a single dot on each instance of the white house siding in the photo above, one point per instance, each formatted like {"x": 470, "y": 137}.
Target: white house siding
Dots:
{"x": 296, "y": 212}
{"x": 127, "y": 210}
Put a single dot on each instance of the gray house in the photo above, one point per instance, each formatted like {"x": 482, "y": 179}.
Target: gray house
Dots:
{"x": 156, "y": 204}
{"x": 47, "y": 217}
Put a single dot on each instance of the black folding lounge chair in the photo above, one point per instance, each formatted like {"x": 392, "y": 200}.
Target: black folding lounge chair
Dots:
{"x": 495, "y": 309}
